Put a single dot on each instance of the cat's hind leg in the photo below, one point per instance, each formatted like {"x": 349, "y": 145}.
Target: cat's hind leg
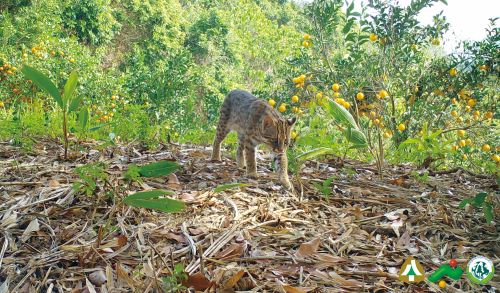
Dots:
{"x": 221, "y": 133}
{"x": 250, "y": 159}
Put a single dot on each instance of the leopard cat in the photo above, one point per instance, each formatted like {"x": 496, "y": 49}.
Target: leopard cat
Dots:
{"x": 256, "y": 122}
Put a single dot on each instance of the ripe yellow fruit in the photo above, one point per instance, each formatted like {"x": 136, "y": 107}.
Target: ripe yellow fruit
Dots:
{"x": 295, "y": 99}
{"x": 464, "y": 156}
{"x": 72, "y": 60}
{"x": 282, "y": 108}
{"x": 376, "y": 122}
{"x": 360, "y": 96}
{"x": 336, "y": 94}
{"x": 488, "y": 115}
{"x": 319, "y": 95}
{"x": 401, "y": 127}
{"x": 462, "y": 143}
{"x": 111, "y": 114}
{"x": 496, "y": 158}
{"x": 113, "y": 98}
{"x": 468, "y": 141}
{"x": 346, "y": 105}
{"x": 295, "y": 80}
{"x": 454, "y": 101}
{"x": 461, "y": 132}
{"x": 471, "y": 102}
{"x": 34, "y": 50}
{"x": 436, "y": 42}
{"x": 383, "y": 94}
{"x": 477, "y": 113}
{"x": 113, "y": 105}
{"x": 293, "y": 135}
{"x": 272, "y": 102}
{"x": 486, "y": 147}
{"x": 335, "y": 87}
{"x": 295, "y": 109}
{"x": 307, "y": 37}
{"x": 373, "y": 37}
{"x": 455, "y": 147}
{"x": 305, "y": 44}
{"x": 460, "y": 119}
{"x": 2, "y": 104}
{"x": 454, "y": 113}
{"x": 453, "y": 71}
{"x": 373, "y": 114}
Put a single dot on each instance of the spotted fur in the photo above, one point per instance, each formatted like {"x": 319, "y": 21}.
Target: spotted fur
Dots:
{"x": 256, "y": 122}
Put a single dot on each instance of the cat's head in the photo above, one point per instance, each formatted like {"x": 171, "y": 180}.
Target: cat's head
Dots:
{"x": 277, "y": 132}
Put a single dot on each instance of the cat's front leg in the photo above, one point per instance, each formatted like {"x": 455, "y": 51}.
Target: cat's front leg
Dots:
{"x": 282, "y": 163}
{"x": 250, "y": 159}
{"x": 240, "y": 152}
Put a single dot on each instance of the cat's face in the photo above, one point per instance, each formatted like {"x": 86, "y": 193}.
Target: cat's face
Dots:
{"x": 277, "y": 133}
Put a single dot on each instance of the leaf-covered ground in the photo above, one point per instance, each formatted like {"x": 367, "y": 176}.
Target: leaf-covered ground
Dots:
{"x": 257, "y": 238}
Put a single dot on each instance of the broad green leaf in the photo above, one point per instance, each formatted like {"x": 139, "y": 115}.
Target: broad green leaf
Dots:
{"x": 83, "y": 118}
{"x": 341, "y": 114}
{"x": 158, "y": 169}
{"x": 43, "y": 82}
{"x": 223, "y": 187}
{"x": 410, "y": 141}
{"x": 479, "y": 199}
{"x": 313, "y": 154}
{"x": 356, "y": 137}
{"x": 465, "y": 202}
{"x": 95, "y": 128}
{"x": 75, "y": 103}
{"x": 347, "y": 27}
{"x": 151, "y": 200}
{"x": 69, "y": 89}
{"x": 436, "y": 134}
{"x": 488, "y": 212}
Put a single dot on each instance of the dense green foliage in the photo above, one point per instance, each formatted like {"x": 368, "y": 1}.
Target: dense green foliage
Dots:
{"x": 157, "y": 70}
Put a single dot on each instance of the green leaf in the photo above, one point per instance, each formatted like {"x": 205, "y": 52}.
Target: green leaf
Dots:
{"x": 223, "y": 187}
{"x": 488, "y": 212}
{"x": 158, "y": 169}
{"x": 479, "y": 199}
{"x": 151, "y": 200}
{"x": 44, "y": 83}
{"x": 341, "y": 114}
{"x": 75, "y": 103}
{"x": 95, "y": 128}
{"x": 347, "y": 27}
{"x": 313, "y": 154}
{"x": 465, "y": 202}
{"x": 409, "y": 141}
{"x": 356, "y": 137}
{"x": 83, "y": 118}
{"x": 69, "y": 89}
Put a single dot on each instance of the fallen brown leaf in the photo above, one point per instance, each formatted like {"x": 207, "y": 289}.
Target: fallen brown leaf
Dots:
{"x": 308, "y": 248}
{"x": 198, "y": 281}
{"x": 234, "y": 279}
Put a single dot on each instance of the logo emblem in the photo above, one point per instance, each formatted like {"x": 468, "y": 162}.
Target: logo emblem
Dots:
{"x": 411, "y": 271}
{"x": 452, "y": 271}
{"x": 480, "y": 270}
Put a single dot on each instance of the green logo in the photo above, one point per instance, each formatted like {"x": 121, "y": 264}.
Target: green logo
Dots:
{"x": 480, "y": 270}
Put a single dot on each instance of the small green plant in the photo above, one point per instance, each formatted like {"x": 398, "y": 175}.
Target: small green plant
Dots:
{"x": 66, "y": 102}
{"x": 325, "y": 187}
{"x": 133, "y": 173}
{"x": 173, "y": 283}
{"x": 153, "y": 199}
{"x": 480, "y": 201}
{"x": 422, "y": 178}
{"x": 223, "y": 187}
{"x": 90, "y": 175}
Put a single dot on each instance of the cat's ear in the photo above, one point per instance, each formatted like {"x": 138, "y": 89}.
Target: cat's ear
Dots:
{"x": 292, "y": 121}
{"x": 267, "y": 121}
